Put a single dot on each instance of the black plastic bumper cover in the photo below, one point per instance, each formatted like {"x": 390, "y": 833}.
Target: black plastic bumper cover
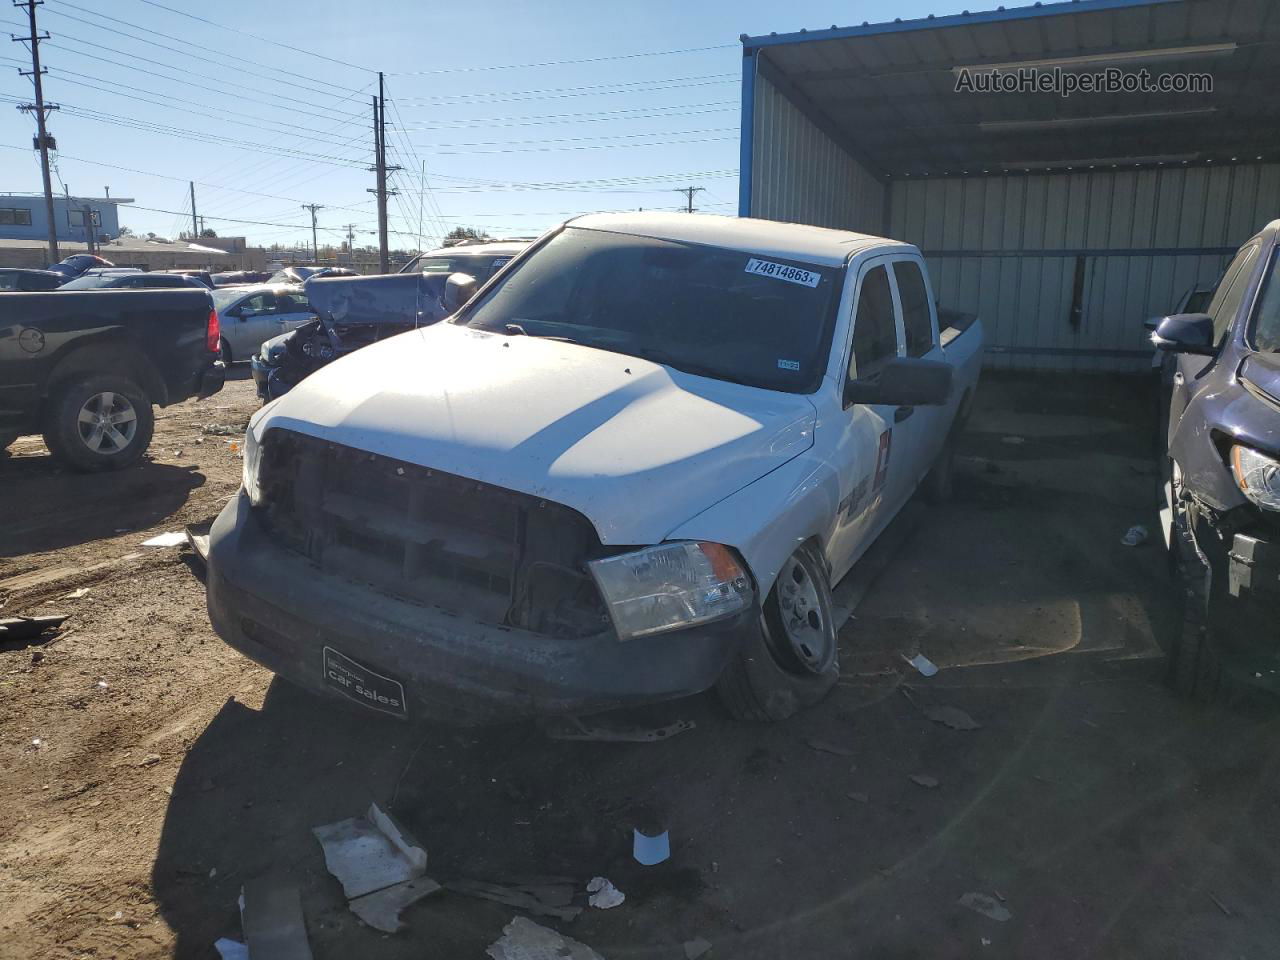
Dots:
{"x": 278, "y": 609}
{"x": 212, "y": 380}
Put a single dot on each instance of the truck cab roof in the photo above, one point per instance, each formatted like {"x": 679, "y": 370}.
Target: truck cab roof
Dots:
{"x": 769, "y": 238}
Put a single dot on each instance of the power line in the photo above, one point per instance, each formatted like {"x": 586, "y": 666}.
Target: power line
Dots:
{"x": 246, "y": 33}
{"x": 558, "y": 63}
{"x": 650, "y": 86}
{"x": 239, "y": 60}
{"x": 597, "y": 146}
{"x": 561, "y": 119}
{"x": 619, "y": 136}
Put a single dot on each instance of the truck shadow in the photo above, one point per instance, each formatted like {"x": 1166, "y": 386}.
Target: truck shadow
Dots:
{"x": 49, "y": 507}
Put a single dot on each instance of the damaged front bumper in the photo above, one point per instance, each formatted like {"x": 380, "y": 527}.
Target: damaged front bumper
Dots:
{"x": 277, "y": 608}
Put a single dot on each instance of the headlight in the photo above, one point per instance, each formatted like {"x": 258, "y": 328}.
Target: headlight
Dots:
{"x": 249, "y": 472}
{"x": 1257, "y": 475}
{"x": 672, "y": 585}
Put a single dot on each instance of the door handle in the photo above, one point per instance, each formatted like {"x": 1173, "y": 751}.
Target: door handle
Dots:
{"x": 902, "y": 413}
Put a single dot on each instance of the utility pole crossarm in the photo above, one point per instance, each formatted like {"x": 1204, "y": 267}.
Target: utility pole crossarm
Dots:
{"x": 315, "y": 246}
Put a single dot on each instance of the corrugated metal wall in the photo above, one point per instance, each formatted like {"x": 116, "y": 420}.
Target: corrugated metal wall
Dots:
{"x": 801, "y": 175}
{"x": 1007, "y": 248}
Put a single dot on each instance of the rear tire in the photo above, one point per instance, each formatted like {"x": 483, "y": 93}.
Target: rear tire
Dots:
{"x": 224, "y": 352}
{"x": 99, "y": 422}
{"x": 791, "y": 658}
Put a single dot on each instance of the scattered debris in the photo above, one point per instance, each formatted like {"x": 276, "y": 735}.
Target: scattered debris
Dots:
{"x": 221, "y": 430}
{"x": 381, "y": 909}
{"x": 197, "y": 535}
{"x": 823, "y": 746}
{"x": 523, "y": 939}
{"x": 1136, "y": 536}
{"x": 952, "y": 717}
{"x": 101, "y": 684}
{"x": 369, "y": 853}
{"x": 541, "y": 899}
{"x": 860, "y": 797}
{"x": 27, "y": 628}
{"x": 272, "y": 920}
{"x": 231, "y": 949}
{"x": 171, "y": 539}
{"x": 922, "y": 663}
{"x": 604, "y": 895}
{"x": 924, "y": 780}
{"x": 1220, "y": 905}
{"x": 150, "y": 760}
{"x": 75, "y": 594}
{"x": 695, "y": 948}
{"x": 572, "y": 728}
{"x": 1013, "y": 441}
{"x": 650, "y": 850}
{"x": 987, "y": 906}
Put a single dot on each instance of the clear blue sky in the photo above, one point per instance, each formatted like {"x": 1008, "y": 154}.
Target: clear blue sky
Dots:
{"x": 174, "y": 98}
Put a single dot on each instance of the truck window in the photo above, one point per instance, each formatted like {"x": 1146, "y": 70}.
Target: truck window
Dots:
{"x": 875, "y": 339}
{"x": 1226, "y": 302}
{"x": 1266, "y": 325}
{"x": 915, "y": 307}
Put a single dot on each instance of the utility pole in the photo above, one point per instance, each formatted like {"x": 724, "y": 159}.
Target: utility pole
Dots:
{"x": 195, "y": 226}
{"x": 689, "y": 192}
{"x": 41, "y": 110}
{"x": 315, "y": 247}
{"x": 422, "y": 189}
{"x": 381, "y": 169}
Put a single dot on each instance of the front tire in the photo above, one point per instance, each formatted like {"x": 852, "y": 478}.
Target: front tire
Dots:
{"x": 1193, "y": 667}
{"x": 791, "y": 658}
{"x": 99, "y": 422}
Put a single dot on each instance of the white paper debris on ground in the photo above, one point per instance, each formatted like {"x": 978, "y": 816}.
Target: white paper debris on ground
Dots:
{"x": 922, "y": 663}
{"x": 695, "y": 948}
{"x": 604, "y": 894}
{"x": 381, "y": 909}
{"x": 650, "y": 850}
{"x": 987, "y": 906}
{"x": 952, "y": 717}
{"x": 369, "y": 853}
{"x": 525, "y": 940}
{"x": 272, "y": 921}
{"x": 173, "y": 538}
{"x": 924, "y": 780}
{"x": 231, "y": 949}
{"x": 1135, "y": 536}
{"x": 75, "y": 594}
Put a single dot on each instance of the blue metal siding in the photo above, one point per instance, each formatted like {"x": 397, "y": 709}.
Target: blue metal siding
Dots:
{"x": 747, "y": 134}
{"x": 38, "y": 229}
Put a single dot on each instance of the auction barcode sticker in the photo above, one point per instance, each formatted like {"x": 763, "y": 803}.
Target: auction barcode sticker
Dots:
{"x": 780, "y": 271}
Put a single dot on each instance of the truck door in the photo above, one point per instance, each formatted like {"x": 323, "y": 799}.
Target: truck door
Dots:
{"x": 867, "y": 453}
{"x": 921, "y": 429}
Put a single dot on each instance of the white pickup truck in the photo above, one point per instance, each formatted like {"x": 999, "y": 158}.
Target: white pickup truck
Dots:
{"x": 628, "y": 470}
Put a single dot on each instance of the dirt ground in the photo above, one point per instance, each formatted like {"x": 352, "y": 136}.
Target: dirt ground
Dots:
{"x": 149, "y": 771}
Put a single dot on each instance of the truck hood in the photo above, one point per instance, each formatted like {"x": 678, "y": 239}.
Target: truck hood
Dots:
{"x": 636, "y": 447}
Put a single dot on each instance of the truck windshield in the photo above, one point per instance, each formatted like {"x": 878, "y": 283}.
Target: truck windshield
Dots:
{"x": 1266, "y": 325}
{"x": 716, "y": 312}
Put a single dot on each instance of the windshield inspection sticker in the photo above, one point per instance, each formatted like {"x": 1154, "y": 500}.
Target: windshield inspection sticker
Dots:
{"x": 788, "y": 364}
{"x": 780, "y": 271}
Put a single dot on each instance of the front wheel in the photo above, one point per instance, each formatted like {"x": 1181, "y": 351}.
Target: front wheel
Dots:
{"x": 791, "y": 658}
{"x": 99, "y": 422}
{"x": 1192, "y": 665}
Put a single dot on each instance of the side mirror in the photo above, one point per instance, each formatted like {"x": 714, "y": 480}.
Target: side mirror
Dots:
{"x": 903, "y": 382}
{"x": 458, "y": 289}
{"x": 1185, "y": 333}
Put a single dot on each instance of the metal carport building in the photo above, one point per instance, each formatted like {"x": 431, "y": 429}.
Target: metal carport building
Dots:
{"x": 1063, "y": 221}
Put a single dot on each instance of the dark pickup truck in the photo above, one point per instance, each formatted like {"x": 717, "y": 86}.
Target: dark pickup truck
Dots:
{"x": 84, "y": 369}
{"x": 1222, "y": 516}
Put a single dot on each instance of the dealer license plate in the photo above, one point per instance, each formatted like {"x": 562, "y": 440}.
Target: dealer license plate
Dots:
{"x": 359, "y": 683}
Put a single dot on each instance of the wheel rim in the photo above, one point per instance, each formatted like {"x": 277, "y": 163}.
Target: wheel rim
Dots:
{"x": 806, "y": 631}
{"x": 108, "y": 422}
